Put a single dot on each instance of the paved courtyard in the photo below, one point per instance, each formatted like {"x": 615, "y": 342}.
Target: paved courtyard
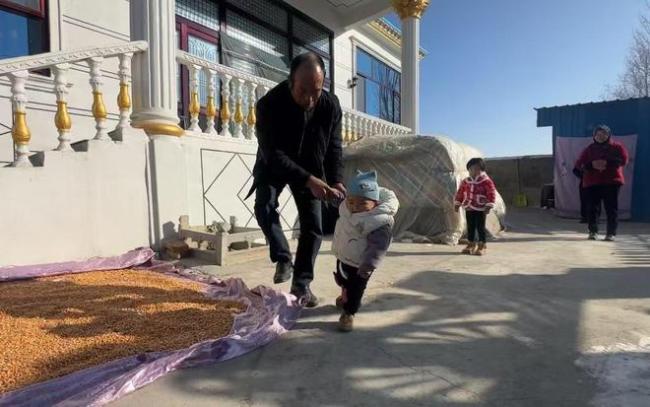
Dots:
{"x": 547, "y": 318}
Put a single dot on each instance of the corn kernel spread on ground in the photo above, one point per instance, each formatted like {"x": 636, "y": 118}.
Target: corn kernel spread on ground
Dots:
{"x": 53, "y": 326}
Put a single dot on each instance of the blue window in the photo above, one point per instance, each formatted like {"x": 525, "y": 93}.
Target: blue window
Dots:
{"x": 23, "y": 29}
{"x": 377, "y": 88}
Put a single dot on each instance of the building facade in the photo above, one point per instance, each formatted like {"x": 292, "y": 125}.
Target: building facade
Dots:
{"x": 132, "y": 113}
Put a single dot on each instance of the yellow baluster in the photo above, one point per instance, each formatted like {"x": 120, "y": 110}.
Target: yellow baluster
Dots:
{"x": 99, "y": 109}
{"x": 62, "y": 118}
{"x": 123, "y": 98}
{"x": 195, "y": 106}
{"x": 20, "y": 132}
{"x": 210, "y": 108}
{"x": 239, "y": 114}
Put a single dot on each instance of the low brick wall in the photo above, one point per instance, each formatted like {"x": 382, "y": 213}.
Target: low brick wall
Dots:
{"x": 513, "y": 175}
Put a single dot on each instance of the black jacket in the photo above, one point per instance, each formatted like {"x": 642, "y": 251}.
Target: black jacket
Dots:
{"x": 289, "y": 149}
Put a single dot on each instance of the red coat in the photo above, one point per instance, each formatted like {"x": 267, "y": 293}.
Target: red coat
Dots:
{"x": 616, "y": 156}
{"x": 476, "y": 194}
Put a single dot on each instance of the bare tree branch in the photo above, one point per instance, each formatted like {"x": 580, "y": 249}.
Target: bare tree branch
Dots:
{"x": 634, "y": 82}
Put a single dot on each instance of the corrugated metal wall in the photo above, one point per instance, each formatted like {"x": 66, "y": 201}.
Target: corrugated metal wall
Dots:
{"x": 625, "y": 117}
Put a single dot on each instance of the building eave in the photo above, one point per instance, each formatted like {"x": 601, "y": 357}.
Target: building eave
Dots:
{"x": 391, "y": 33}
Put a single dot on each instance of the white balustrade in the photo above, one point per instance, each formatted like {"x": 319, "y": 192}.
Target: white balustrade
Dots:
{"x": 211, "y": 108}
{"x": 251, "y": 118}
{"x": 20, "y": 131}
{"x": 240, "y": 93}
{"x": 99, "y": 109}
{"x": 239, "y": 114}
{"x": 225, "y": 105}
{"x": 195, "y": 104}
{"x": 62, "y": 119}
{"x": 17, "y": 71}
{"x": 123, "y": 97}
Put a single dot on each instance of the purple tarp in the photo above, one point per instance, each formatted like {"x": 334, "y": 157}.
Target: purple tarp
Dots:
{"x": 269, "y": 314}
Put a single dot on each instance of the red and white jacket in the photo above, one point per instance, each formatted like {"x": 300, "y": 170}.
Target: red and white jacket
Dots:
{"x": 476, "y": 194}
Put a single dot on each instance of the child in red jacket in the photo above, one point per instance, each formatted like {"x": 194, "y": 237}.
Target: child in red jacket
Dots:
{"x": 477, "y": 194}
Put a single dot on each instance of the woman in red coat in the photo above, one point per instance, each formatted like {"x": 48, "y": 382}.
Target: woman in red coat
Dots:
{"x": 602, "y": 165}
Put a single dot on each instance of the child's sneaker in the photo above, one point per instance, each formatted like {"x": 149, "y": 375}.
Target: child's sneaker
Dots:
{"x": 610, "y": 238}
{"x": 469, "y": 249}
{"x": 346, "y": 322}
{"x": 481, "y": 249}
{"x": 593, "y": 236}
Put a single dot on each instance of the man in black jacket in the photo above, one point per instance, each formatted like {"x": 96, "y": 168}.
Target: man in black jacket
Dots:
{"x": 299, "y": 135}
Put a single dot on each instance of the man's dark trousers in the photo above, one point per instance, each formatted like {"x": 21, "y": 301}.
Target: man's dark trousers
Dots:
{"x": 311, "y": 229}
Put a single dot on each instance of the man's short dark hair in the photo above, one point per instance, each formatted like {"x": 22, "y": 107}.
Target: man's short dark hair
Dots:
{"x": 305, "y": 58}
{"x": 477, "y": 161}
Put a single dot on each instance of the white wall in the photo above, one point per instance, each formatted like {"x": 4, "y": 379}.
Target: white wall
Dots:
{"x": 78, "y": 205}
{"x": 219, "y": 176}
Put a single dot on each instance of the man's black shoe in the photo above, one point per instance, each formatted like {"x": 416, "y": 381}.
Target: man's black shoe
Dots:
{"x": 283, "y": 272}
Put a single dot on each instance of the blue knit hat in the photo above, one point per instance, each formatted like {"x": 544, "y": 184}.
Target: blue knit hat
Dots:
{"x": 364, "y": 185}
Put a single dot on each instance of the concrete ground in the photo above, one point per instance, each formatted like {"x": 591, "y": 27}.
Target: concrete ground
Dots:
{"x": 547, "y": 318}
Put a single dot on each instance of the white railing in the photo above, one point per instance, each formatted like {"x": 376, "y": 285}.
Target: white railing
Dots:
{"x": 236, "y": 107}
{"x": 358, "y": 124}
{"x": 239, "y": 94}
{"x": 17, "y": 70}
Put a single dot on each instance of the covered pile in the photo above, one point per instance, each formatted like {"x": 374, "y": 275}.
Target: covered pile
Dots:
{"x": 424, "y": 172}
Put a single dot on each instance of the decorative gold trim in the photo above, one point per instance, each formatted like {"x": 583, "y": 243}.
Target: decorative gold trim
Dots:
{"x": 239, "y": 115}
{"x": 210, "y": 108}
{"x": 251, "y": 119}
{"x": 99, "y": 109}
{"x": 195, "y": 106}
{"x": 62, "y": 119}
{"x": 390, "y": 34}
{"x": 410, "y": 8}
{"x": 123, "y": 98}
{"x": 20, "y": 132}
{"x": 153, "y": 128}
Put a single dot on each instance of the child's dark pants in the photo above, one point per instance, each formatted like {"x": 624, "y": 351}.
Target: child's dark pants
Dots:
{"x": 354, "y": 285}
{"x": 475, "y": 223}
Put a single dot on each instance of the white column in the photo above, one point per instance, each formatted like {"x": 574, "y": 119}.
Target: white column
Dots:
{"x": 411, "y": 74}
{"x": 154, "y": 71}
{"x": 410, "y": 12}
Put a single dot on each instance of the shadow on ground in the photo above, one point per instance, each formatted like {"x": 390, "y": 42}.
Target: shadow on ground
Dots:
{"x": 469, "y": 340}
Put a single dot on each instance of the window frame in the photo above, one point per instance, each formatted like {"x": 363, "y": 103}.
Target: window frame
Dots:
{"x": 185, "y": 28}
{"x": 42, "y": 13}
{"x": 356, "y": 49}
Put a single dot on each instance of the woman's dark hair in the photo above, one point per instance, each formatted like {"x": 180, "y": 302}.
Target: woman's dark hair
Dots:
{"x": 476, "y": 161}
{"x": 305, "y": 58}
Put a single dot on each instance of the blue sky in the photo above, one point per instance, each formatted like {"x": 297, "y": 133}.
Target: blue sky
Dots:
{"x": 491, "y": 62}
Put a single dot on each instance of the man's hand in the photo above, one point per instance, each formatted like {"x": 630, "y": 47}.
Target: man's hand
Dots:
{"x": 318, "y": 187}
{"x": 337, "y": 193}
{"x": 340, "y": 187}
{"x": 599, "y": 165}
